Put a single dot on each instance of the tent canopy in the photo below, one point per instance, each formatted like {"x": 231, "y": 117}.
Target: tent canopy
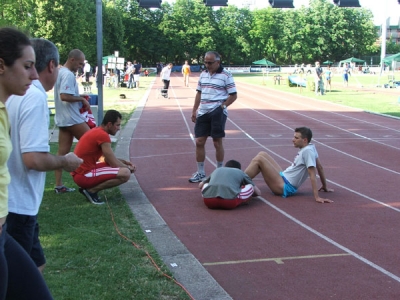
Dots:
{"x": 264, "y": 62}
{"x": 352, "y": 59}
{"x": 391, "y": 58}
{"x": 105, "y": 59}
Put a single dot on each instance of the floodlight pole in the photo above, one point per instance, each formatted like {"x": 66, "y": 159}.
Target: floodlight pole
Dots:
{"x": 99, "y": 39}
{"x": 384, "y": 34}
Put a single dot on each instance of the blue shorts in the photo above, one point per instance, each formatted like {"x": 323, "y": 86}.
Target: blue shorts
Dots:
{"x": 345, "y": 77}
{"x": 288, "y": 189}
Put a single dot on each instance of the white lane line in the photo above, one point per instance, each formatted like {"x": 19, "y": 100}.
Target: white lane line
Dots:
{"x": 320, "y": 121}
{"x": 278, "y": 260}
{"x": 340, "y": 114}
{"x": 330, "y": 181}
{"x": 324, "y": 237}
{"x": 343, "y": 248}
{"x": 283, "y": 158}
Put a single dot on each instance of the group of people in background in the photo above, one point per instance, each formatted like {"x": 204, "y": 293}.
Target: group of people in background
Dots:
{"x": 322, "y": 76}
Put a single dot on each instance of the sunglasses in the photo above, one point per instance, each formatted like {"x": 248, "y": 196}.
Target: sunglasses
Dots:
{"x": 209, "y": 62}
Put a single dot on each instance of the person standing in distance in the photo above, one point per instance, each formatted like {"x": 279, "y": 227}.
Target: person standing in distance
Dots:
{"x": 137, "y": 68}
{"x": 319, "y": 80}
{"x": 216, "y": 90}
{"x": 68, "y": 118}
{"x": 166, "y": 77}
{"x": 186, "y": 73}
{"x": 86, "y": 71}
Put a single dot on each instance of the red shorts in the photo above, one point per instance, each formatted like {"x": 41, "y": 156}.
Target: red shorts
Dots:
{"x": 245, "y": 195}
{"x": 101, "y": 173}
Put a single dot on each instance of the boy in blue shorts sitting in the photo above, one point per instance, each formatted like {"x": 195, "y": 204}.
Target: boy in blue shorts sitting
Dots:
{"x": 305, "y": 164}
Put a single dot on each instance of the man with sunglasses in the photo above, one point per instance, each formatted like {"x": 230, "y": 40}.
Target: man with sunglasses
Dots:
{"x": 216, "y": 90}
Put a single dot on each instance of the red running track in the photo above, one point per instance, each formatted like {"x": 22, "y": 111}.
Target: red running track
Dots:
{"x": 275, "y": 248}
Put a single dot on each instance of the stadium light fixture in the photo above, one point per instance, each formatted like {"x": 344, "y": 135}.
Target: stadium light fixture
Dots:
{"x": 149, "y": 3}
{"x": 216, "y": 2}
{"x": 347, "y": 3}
{"x": 281, "y": 3}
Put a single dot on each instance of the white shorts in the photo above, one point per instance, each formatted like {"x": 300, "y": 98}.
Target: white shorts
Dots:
{"x": 136, "y": 77}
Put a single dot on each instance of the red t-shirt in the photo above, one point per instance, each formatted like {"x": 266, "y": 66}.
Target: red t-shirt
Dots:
{"x": 89, "y": 148}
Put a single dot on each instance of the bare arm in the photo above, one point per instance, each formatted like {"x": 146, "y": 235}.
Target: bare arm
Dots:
{"x": 232, "y": 98}
{"x": 322, "y": 177}
{"x": 313, "y": 177}
{"x": 196, "y": 105}
{"x": 72, "y": 98}
{"x": 44, "y": 161}
{"x": 113, "y": 161}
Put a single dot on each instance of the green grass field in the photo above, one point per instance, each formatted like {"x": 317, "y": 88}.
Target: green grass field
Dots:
{"x": 361, "y": 93}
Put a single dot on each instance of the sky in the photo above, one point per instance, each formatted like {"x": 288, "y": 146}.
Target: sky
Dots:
{"x": 376, "y": 6}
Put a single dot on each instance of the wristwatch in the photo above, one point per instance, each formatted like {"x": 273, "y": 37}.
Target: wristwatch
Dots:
{"x": 223, "y": 106}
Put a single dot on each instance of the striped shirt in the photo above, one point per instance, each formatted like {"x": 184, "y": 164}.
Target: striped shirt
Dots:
{"x": 214, "y": 89}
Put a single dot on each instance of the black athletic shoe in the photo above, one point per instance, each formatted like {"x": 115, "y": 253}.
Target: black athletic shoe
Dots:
{"x": 92, "y": 197}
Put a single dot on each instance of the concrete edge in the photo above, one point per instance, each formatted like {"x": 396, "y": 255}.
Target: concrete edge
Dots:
{"x": 186, "y": 269}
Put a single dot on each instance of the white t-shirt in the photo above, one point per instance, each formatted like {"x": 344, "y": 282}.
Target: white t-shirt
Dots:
{"x": 297, "y": 173}
{"x": 86, "y": 68}
{"x": 29, "y": 119}
{"x": 67, "y": 113}
{"x": 166, "y": 73}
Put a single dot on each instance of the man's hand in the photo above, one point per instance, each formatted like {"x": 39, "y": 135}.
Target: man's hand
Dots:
{"x": 324, "y": 189}
{"x": 73, "y": 162}
{"x": 193, "y": 117}
{"x": 129, "y": 165}
{"x": 132, "y": 168}
{"x": 85, "y": 104}
{"x": 323, "y": 200}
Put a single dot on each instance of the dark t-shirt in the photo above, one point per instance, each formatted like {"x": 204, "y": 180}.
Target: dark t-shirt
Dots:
{"x": 137, "y": 68}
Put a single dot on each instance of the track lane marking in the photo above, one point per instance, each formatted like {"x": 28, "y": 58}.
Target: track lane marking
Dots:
{"x": 278, "y": 260}
{"x": 329, "y": 240}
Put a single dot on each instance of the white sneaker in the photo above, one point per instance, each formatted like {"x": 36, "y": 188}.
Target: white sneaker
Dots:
{"x": 197, "y": 177}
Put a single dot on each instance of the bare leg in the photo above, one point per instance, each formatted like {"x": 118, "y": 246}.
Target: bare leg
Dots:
{"x": 269, "y": 169}
{"x": 65, "y": 139}
{"x": 123, "y": 176}
{"x": 200, "y": 148}
{"x": 219, "y": 149}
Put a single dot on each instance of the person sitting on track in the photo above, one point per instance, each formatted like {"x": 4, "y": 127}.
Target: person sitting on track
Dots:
{"x": 228, "y": 187}
{"x": 287, "y": 182}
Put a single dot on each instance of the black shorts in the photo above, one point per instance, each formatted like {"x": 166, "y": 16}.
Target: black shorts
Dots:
{"x": 25, "y": 230}
{"x": 211, "y": 124}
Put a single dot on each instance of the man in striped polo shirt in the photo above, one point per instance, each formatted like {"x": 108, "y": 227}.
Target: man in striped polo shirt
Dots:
{"x": 216, "y": 90}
